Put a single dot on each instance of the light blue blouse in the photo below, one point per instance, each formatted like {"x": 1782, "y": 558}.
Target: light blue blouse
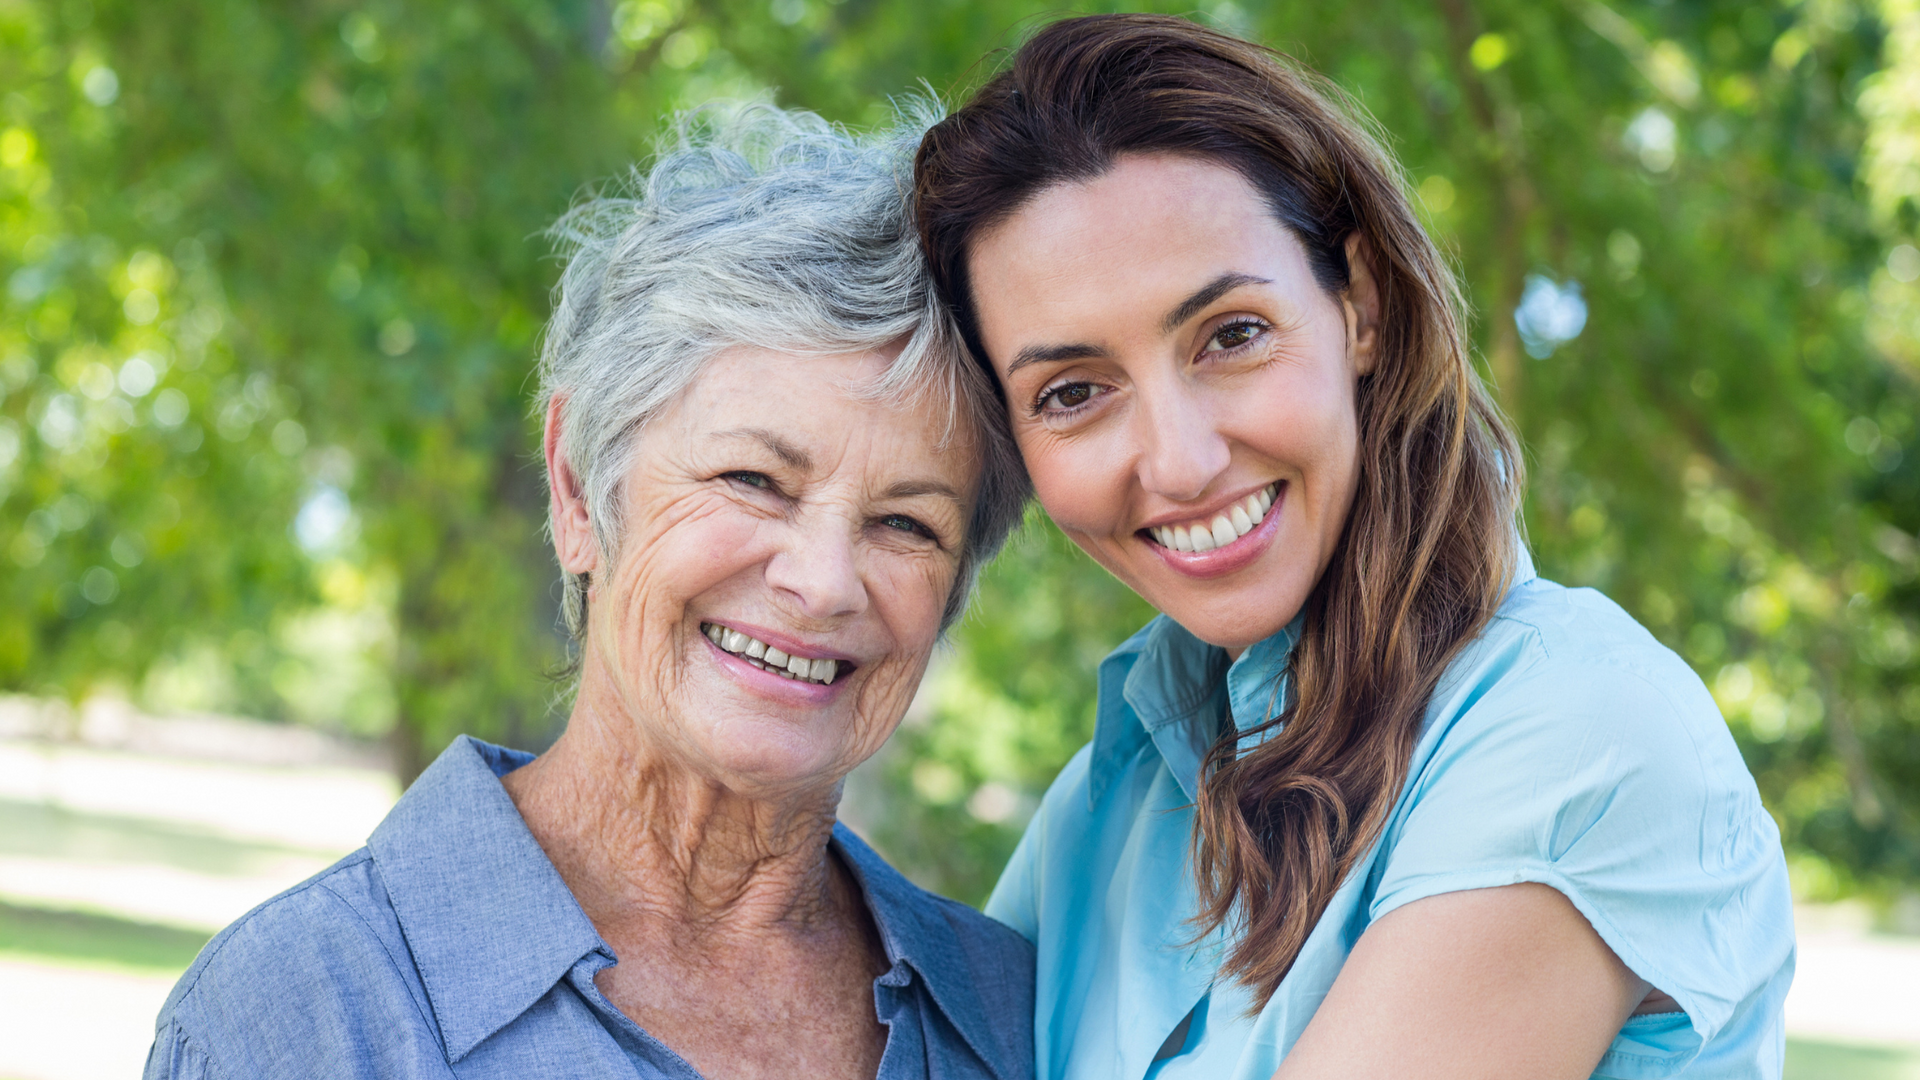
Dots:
{"x": 1564, "y": 746}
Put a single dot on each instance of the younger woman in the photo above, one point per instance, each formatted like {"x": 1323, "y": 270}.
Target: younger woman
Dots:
{"x": 1369, "y": 799}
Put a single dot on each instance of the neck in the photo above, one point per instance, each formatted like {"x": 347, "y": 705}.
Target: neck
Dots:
{"x": 645, "y": 843}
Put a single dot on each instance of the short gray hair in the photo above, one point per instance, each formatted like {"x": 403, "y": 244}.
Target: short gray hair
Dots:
{"x": 762, "y": 227}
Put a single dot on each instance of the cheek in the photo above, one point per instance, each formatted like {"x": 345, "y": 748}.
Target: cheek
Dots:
{"x": 679, "y": 552}
{"x": 1081, "y": 480}
{"x": 909, "y": 593}
{"x": 909, "y": 596}
{"x": 1306, "y": 426}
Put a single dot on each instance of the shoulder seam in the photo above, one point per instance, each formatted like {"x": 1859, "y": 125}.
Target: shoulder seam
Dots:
{"x": 1532, "y": 629}
{"x": 419, "y": 1007}
{"x": 202, "y": 963}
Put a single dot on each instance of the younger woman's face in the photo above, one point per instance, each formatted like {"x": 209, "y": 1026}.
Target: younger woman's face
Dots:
{"x": 1180, "y": 386}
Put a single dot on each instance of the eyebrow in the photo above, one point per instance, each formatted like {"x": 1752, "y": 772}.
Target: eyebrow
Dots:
{"x": 1184, "y": 310}
{"x": 790, "y": 455}
{"x": 1207, "y": 294}
{"x": 1054, "y": 354}
{"x": 907, "y": 489}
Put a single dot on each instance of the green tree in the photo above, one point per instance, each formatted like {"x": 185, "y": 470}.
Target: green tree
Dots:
{"x": 257, "y": 256}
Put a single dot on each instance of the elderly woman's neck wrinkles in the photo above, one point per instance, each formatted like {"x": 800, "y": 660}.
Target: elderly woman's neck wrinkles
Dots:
{"x": 646, "y": 841}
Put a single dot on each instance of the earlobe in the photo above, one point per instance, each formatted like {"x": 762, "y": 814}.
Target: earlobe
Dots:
{"x": 573, "y": 542}
{"x": 1361, "y": 305}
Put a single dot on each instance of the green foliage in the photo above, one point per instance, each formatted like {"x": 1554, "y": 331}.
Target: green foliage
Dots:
{"x": 317, "y": 229}
{"x": 70, "y": 936}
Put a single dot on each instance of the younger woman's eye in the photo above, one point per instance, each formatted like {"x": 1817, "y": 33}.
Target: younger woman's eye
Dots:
{"x": 1234, "y": 335}
{"x": 1065, "y": 397}
{"x": 751, "y": 479}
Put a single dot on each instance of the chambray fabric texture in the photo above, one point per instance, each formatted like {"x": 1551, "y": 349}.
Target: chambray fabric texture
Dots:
{"x": 1564, "y": 746}
{"x": 449, "y": 946}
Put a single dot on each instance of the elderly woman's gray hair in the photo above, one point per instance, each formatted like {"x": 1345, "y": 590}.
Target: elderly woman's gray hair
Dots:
{"x": 762, "y": 227}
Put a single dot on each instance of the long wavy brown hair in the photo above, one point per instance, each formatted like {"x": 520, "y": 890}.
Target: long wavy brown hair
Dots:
{"x": 1430, "y": 543}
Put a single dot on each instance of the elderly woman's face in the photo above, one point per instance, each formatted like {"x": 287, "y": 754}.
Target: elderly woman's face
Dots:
{"x": 788, "y": 551}
{"x": 1181, "y": 387}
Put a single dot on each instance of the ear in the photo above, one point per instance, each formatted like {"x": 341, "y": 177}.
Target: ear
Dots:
{"x": 573, "y": 538}
{"x": 1361, "y": 303}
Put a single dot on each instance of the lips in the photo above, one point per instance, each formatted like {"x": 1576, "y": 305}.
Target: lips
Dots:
{"x": 769, "y": 658}
{"x": 1223, "y": 528}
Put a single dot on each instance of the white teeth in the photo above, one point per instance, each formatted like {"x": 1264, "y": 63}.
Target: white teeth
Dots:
{"x": 767, "y": 658}
{"x": 1239, "y": 519}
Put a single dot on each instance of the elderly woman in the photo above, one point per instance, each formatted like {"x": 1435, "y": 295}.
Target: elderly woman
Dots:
{"x": 771, "y": 482}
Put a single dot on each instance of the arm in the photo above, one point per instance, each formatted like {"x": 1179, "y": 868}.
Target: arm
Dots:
{"x": 1508, "y": 981}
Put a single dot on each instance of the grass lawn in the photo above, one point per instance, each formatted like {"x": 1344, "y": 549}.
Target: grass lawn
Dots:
{"x": 1831, "y": 1061}
{"x": 80, "y": 939}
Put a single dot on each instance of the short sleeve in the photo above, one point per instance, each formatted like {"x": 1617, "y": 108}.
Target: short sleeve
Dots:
{"x": 1617, "y": 784}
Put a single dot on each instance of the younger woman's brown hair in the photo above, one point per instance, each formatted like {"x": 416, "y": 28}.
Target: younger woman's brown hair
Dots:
{"x": 1430, "y": 543}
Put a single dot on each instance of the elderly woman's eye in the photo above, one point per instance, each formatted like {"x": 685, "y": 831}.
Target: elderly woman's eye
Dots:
{"x": 1233, "y": 335}
{"x": 751, "y": 479}
{"x": 906, "y": 524}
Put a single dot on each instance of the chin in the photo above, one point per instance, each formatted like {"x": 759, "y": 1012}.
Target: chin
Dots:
{"x": 773, "y": 756}
{"x": 1239, "y": 620}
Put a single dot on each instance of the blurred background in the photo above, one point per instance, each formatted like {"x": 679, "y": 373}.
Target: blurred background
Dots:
{"x": 270, "y": 508}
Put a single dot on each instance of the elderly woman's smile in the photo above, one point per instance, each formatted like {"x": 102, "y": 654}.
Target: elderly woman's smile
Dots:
{"x": 789, "y": 545}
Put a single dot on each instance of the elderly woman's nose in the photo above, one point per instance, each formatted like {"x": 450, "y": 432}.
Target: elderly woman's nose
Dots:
{"x": 819, "y": 571}
{"x": 1181, "y": 448}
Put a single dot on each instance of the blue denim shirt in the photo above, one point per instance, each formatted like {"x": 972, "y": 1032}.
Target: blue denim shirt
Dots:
{"x": 1563, "y": 746}
{"x": 449, "y": 946}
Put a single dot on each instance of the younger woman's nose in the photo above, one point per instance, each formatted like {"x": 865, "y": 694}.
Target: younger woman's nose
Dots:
{"x": 1181, "y": 449}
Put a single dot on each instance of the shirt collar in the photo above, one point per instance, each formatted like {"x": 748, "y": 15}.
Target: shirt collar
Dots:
{"x": 491, "y": 924}
{"x": 1165, "y": 686}
{"x": 1168, "y": 687}
{"x": 917, "y": 930}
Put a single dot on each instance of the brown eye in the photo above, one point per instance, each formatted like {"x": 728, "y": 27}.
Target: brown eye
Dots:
{"x": 1233, "y": 335}
{"x": 1065, "y": 398}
